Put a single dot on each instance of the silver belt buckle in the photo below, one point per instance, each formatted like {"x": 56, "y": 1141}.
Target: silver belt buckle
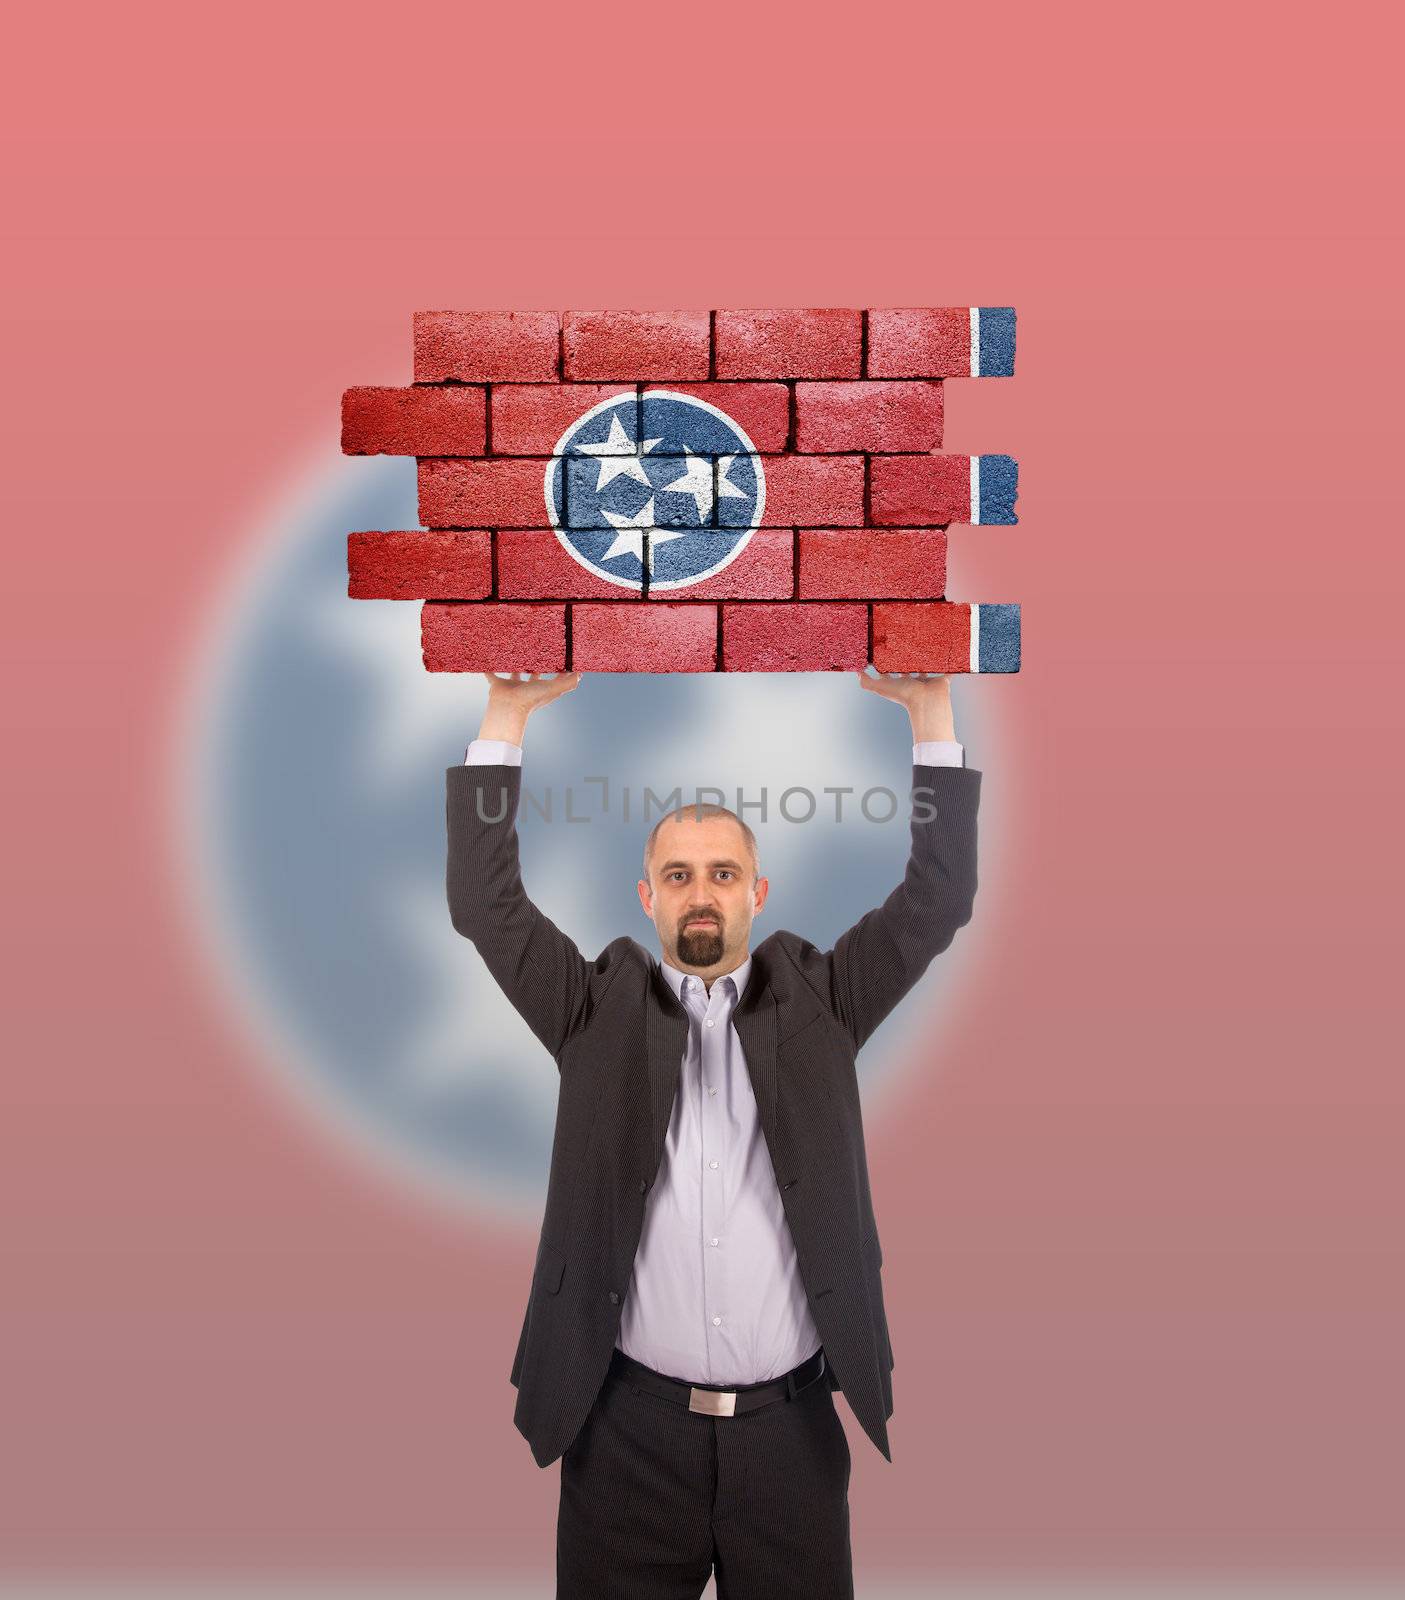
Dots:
{"x": 713, "y": 1402}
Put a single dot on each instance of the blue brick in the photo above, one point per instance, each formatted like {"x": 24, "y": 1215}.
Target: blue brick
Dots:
{"x": 996, "y": 329}
{"x": 999, "y": 487}
{"x": 999, "y": 644}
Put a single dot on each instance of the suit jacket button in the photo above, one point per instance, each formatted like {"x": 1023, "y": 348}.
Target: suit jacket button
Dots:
{"x": 614, "y": 1298}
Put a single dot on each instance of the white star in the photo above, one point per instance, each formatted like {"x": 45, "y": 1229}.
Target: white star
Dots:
{"x": 727, "y": 490}
{"x": 617, "y": 456}
{"x": 629, "y": 541}
{"x": 630, "y": 538}
{"x": 697, "y": 481}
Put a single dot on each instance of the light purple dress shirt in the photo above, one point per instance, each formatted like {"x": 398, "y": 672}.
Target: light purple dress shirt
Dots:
{"x": 716, "y": 1294}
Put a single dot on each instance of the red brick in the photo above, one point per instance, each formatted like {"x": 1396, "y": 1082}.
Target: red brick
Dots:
{"x": 922, "y": 638}
{"x": 868, "y": 416}
{"x": 919, "y": 491}
{"x": 789, "y": 343}
{"x": 649, "y": 637}
{"x": 412, "y": 422}
{"x": 484, "y": 636}
{"x": 487, "y": 346}
{"x": 765, "y": 570}
{"x": 812, "y": 491}
{"x": 636, "y": 344}
{"x": 794, "y": 638}
{"x": 530, "y": 418}
{"x": 533, "y": 565}
{"x": 415, "y": 565}
{"x": 510, "y": 493}
{"x": 761, "y": 410}
{"x": 924, "y": 342}
{"x": 845, "y": 564}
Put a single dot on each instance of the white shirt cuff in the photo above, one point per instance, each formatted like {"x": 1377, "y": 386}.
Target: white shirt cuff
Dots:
{"x": 938, "y": 753}
{"x": 493, "y": 752}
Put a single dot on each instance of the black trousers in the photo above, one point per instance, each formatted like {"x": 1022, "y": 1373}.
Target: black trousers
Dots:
{"x": 654, "y": 1496}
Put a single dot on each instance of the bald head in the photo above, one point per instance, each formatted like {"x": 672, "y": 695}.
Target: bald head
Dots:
{"x": 704, "y": 811}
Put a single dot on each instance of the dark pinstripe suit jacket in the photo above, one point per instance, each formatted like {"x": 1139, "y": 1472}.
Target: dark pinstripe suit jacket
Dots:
{"x": 618, "y": 1035}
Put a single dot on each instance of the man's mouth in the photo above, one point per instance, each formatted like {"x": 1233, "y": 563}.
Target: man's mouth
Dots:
{"x": 703, "y": 922}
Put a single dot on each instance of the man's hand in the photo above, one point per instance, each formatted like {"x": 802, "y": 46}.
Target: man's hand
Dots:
{"x": 927, "y": 697}
{"x": 512, "y": 699}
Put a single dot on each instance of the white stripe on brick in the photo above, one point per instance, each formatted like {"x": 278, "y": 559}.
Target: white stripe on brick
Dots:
{"x": 975, "y": 488}
{"x": 975, "y": 341}
{"x": 975, "y": 663}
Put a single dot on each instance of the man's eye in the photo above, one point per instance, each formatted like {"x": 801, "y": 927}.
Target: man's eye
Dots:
{"x": 726, "y": 872}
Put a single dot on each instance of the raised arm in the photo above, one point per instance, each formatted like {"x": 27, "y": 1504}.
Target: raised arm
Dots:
{"x": 536, "y": 965}
{"x": 877, "y": 961}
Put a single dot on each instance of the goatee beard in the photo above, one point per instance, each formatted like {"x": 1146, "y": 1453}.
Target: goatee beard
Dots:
{"x": 700, "y": 947}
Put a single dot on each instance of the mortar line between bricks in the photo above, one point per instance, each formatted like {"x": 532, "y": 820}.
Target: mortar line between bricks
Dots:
{"x": 868, "y": 610}
{"x": 863, "y": 343}
{"x": 493, "y": 562}
{"x": 867, "y": 490}
{"x": 570, "y": 640}
{"x": 711, "y": 345}
{"x": 487, "y": 419}
{"x": 717, "y": 647}
{"x": 790, "y": 415}
{"x": 560, "y": 347}
{"x": 795, "y": 563}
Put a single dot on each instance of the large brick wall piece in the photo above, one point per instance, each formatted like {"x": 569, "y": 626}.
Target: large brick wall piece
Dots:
{"x": 736, "y": 490}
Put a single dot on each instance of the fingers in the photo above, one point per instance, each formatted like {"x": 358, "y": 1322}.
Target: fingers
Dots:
{"x": 555, "y": 682}
{"x": 870, "y": 677}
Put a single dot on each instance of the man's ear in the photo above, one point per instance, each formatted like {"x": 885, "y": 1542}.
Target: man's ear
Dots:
{"x": 646, "y": 898}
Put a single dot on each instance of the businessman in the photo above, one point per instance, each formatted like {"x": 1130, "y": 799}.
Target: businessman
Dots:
{"x": 709, "y": 1270}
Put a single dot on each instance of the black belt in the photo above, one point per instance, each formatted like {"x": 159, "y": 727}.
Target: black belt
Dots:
{"x": 711, "y": 1399}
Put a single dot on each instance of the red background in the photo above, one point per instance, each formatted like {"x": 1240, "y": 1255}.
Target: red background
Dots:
{"x": 1143, "y": 1230}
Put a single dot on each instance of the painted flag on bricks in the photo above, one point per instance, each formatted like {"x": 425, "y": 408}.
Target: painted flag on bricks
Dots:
{"x": 689, "y": 491}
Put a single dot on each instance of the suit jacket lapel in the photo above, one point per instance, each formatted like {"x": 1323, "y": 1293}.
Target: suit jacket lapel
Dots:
{"x": 755, "y": 1022}
{"x": 666, "y": 1038}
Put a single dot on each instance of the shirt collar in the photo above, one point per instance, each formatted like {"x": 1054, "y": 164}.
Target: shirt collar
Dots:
{"x": 738, "y": 975}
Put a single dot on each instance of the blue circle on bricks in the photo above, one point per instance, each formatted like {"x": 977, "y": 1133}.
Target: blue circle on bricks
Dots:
{"x": 657, "y": 481}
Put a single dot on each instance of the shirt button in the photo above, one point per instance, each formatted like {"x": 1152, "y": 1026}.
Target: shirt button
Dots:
{"x": 709, "y": 1022}
{"x": 712, "y": 1164}
{"x": 712, "y": 1091}
{"x": 614, "y": 1298}
{"x": 717, "y": 1322}
{"x": 713, "y": 1241}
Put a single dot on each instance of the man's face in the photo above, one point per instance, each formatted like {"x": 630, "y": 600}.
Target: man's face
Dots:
{"x": 700, "y": 892}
